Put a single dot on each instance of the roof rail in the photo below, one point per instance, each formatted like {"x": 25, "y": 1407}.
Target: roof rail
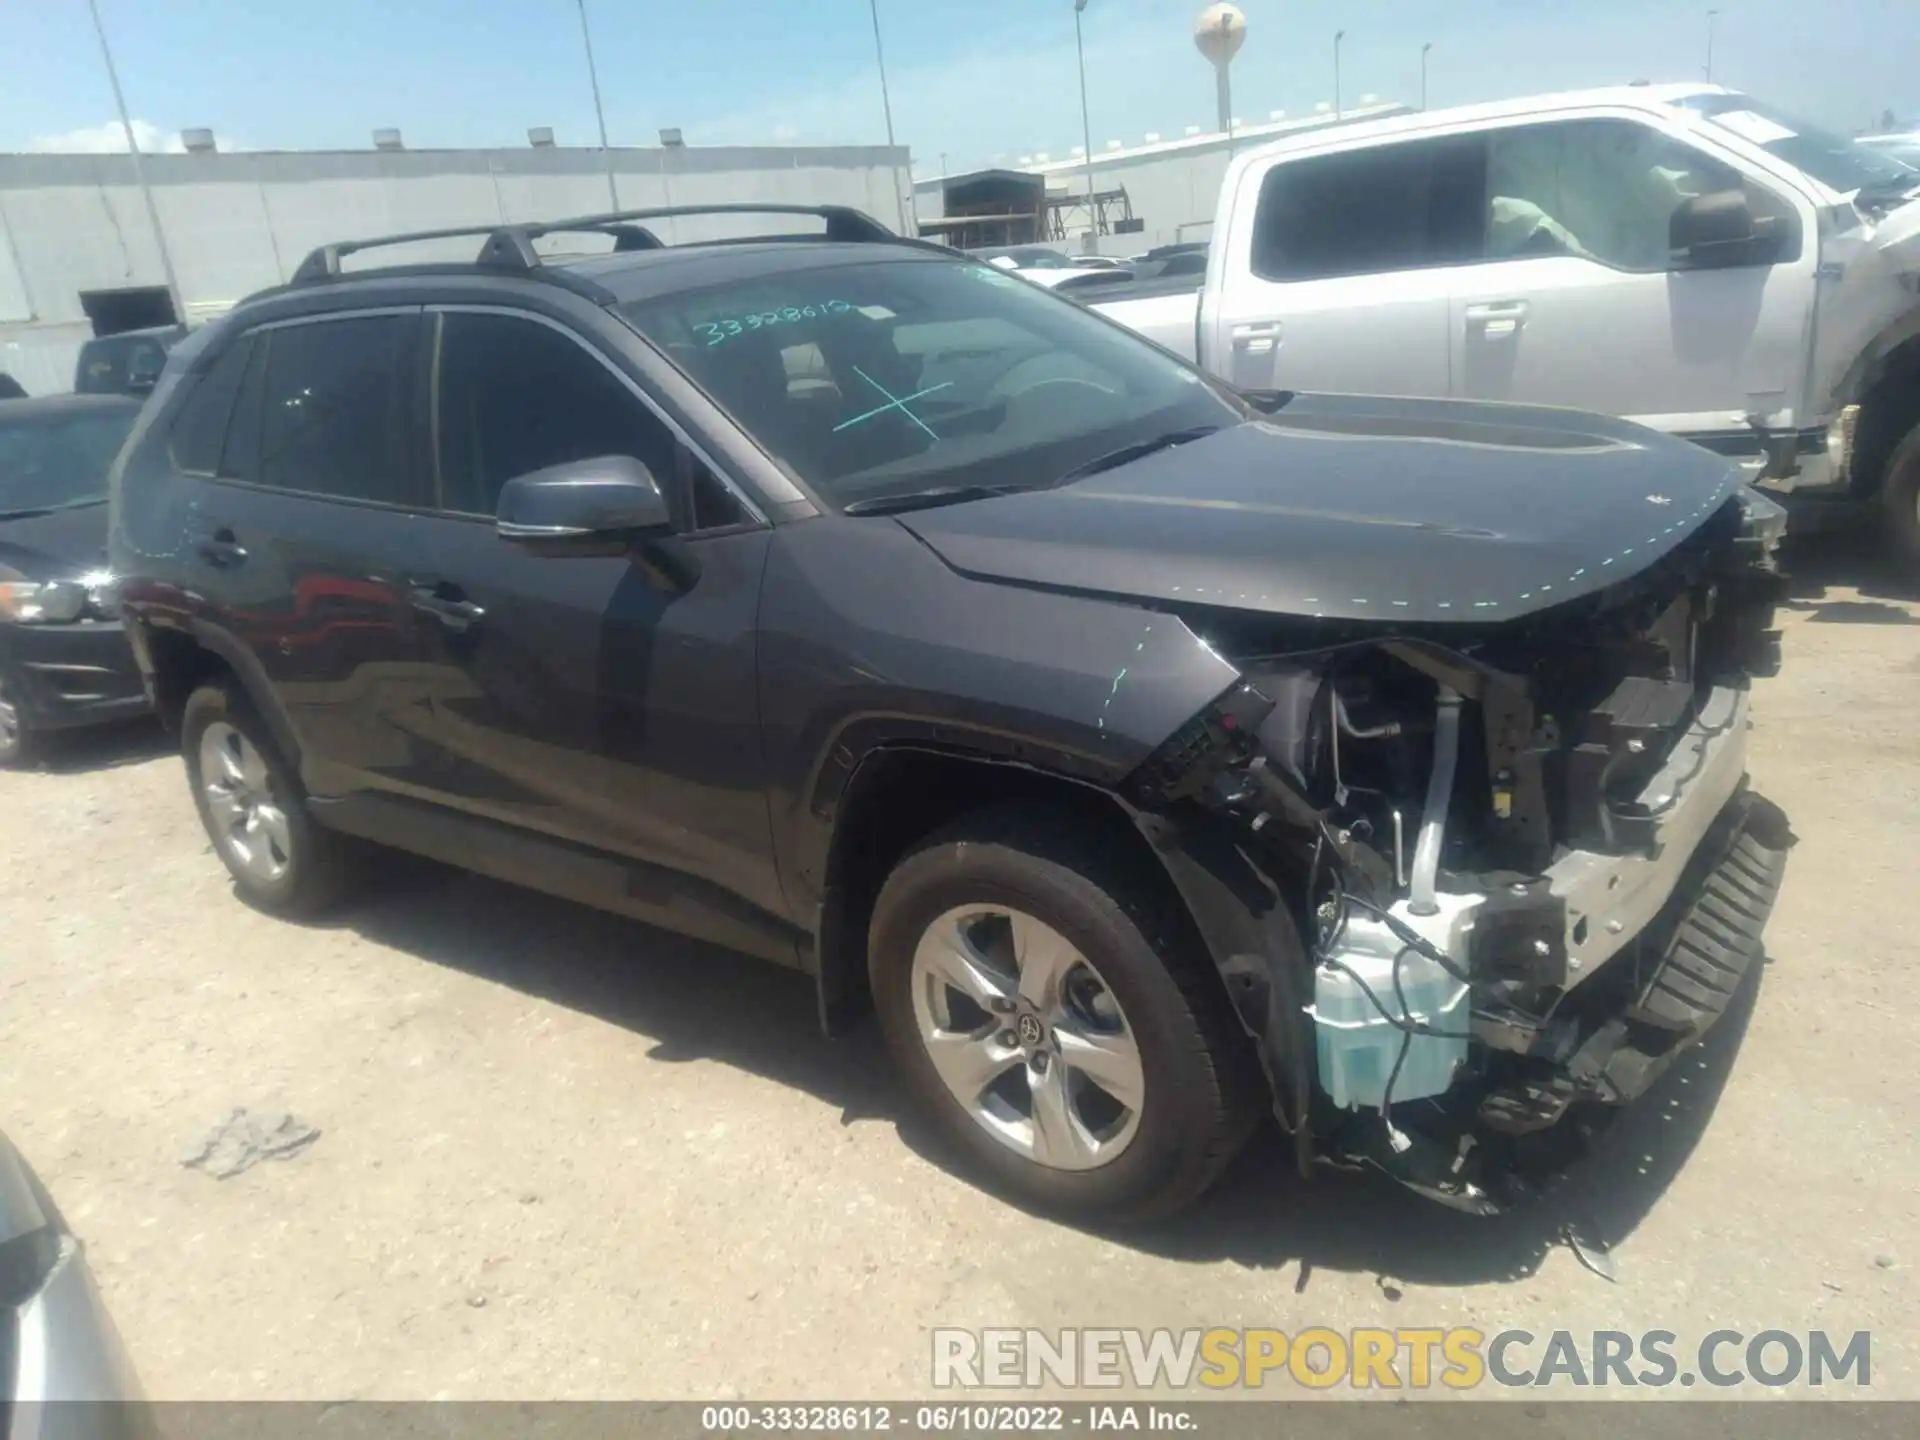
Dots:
{"x": 510, "y": 247}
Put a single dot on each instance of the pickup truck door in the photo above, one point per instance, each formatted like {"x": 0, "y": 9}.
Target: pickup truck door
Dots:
{"x": 1581, "y": 301}
{"x": 1338, "y": 269}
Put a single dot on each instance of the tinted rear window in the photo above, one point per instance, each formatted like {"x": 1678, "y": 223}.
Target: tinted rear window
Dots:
{"x": 334, "y": 414}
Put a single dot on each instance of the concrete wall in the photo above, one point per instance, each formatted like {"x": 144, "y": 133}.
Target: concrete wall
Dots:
{"x": 239, "y": 223}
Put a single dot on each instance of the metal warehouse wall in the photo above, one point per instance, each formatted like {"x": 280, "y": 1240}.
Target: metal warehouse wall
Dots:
{"x": 237, "y": 223}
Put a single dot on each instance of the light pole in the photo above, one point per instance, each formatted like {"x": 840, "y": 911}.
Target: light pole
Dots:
{"x": 1712, "y": 15}
{"x": 599, "y": 114}
{"x": 1338, "y": 36}
{"x": 1086, "y": 128}
{"x": 139, "y": 170}
{"x": 1424, "y": 49}
{"x": 886, "y": 104}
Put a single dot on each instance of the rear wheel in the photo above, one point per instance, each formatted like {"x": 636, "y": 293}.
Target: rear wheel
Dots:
{"x": 1056, "y": 1018}
{"x": 1900, "y": 495}
{"x": 255, "y": 810}
{"x": 19, "y": 746}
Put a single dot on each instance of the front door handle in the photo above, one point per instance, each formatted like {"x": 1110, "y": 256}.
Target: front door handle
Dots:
{"x": 446, "y": 603}
{"x": 1498, "y": 319}
{"x": 1259, "y": 337}
{"x": 221, "y": 549}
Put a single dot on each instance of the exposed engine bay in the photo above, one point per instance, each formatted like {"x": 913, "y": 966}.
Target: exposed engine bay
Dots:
{"x": 1477, "y": 884}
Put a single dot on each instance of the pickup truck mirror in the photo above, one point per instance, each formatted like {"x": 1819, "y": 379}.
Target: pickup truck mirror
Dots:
{"x": 610, "y": 498}
{"x": 1719, "y": 232}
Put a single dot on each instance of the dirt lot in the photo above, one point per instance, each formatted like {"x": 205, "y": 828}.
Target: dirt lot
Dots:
{"x": 563, "y": 1156}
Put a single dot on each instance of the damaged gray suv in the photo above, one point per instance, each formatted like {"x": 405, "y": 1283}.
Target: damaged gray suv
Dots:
{"x": 1152, "y": 756}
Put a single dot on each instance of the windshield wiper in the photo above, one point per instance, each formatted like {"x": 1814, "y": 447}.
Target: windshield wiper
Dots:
{"x": 927, "y": 499}
{"x": 1138, "y": 450}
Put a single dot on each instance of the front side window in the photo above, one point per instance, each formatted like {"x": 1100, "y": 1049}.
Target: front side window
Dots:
{"x": 517, "y": 396}
{"x": 1405, "y": 206}
{"x": 334, "y": 411}
{"x": 1601, "y": 190}
{"x": 875, "y": 377}
{"x": 48, "y": 462}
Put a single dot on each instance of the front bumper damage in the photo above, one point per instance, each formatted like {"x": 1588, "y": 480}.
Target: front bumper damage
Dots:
{"x": 1424, "y": 1003}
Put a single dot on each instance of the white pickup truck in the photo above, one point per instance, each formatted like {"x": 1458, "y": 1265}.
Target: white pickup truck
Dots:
{"x": 1683, "y": 256}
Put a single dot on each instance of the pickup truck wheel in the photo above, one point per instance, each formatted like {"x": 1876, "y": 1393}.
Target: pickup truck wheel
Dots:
{"x": 1064, "y": 1032}
{"x": 255, "y": 809}
{"x": 1900, "y": 493}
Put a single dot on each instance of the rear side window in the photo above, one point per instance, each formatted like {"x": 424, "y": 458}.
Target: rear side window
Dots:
{"x": 334, "y": 408}
{"x": 1368, "y": 212}
{"x": 200, "y": 433}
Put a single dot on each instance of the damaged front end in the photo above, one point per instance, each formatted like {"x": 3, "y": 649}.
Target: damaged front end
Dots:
{"x": 1471, "y": 886}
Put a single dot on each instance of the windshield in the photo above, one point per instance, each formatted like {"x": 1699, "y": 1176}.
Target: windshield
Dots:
{"x": 1840, "y": 164}
{"x": 50, "y": 461}
{"x": 891, "y": 376}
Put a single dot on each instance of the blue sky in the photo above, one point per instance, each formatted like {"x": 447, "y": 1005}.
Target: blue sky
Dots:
{"x": 971, "y": 79}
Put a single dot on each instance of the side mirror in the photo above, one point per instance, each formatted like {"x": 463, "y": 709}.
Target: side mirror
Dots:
{"x": 610, "y": 498}
{"x": 1716, "y": 232}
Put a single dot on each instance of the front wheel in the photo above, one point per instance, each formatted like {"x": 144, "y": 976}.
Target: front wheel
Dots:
{"x": 1054, "y": 1015}
{"x": 1900, "y": 495}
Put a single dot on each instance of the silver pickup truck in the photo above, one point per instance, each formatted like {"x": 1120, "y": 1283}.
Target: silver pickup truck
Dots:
{"x": 1682, "y": 256}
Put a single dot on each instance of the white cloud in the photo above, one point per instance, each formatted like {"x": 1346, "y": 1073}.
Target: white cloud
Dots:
{"x": 111, "y": 139}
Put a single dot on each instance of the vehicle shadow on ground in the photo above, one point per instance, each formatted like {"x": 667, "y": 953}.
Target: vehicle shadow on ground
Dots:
{"x": 1820, "y": 565}
{"x": 107, "y": 747}
{"x": 698, "y": 1002}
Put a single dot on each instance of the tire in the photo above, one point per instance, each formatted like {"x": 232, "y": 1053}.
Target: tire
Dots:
{"x": 281, "y": 861}
{"x": 20, "y": 747}
{"x": 1900, "y": 496}
{"x": 1197, "y": 1088}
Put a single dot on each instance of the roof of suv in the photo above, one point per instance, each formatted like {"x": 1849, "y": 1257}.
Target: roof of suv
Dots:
{"x": 639, "y": 267}
{"x": 644, "y": 274}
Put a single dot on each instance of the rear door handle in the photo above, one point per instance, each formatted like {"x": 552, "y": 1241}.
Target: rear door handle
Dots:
{"x": 1498, "y": 318}
{"x": 1259, "y": 337}
{"x": 221, "y": 549}
{"x": 446, "y": 603}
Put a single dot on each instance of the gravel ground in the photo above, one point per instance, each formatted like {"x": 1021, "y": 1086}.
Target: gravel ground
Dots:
{"x": 564, "y": 1156}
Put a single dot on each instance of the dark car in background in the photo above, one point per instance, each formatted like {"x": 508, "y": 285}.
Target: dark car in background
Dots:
{"x": 127, "y": 363}
{"x": 64, "y": 660}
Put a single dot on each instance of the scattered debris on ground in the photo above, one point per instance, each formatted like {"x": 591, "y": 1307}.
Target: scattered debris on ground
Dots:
{"x": 244, "y": 1139}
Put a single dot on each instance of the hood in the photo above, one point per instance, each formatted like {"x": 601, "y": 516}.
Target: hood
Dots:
{"x": 63, "y": 545}
{"x": 1357, "y": 508}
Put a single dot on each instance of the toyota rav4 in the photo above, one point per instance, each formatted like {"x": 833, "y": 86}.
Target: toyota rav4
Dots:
{"x": 1152, "y": 755}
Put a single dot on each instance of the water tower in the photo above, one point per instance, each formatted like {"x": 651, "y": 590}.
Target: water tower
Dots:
{"x": 1220, "y": 31}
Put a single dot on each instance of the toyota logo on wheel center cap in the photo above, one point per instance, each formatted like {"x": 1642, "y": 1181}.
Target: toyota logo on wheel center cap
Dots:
{"x": 1029, "y": 1030}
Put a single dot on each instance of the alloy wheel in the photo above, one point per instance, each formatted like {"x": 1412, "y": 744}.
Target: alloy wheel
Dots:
{"x": 1028, "y": 1037}
{"x": 247, "y": 818}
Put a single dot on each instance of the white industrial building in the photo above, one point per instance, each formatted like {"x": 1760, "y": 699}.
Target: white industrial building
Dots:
{"x": 1171, "y": 185}
{"x": 78, "y": 253}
